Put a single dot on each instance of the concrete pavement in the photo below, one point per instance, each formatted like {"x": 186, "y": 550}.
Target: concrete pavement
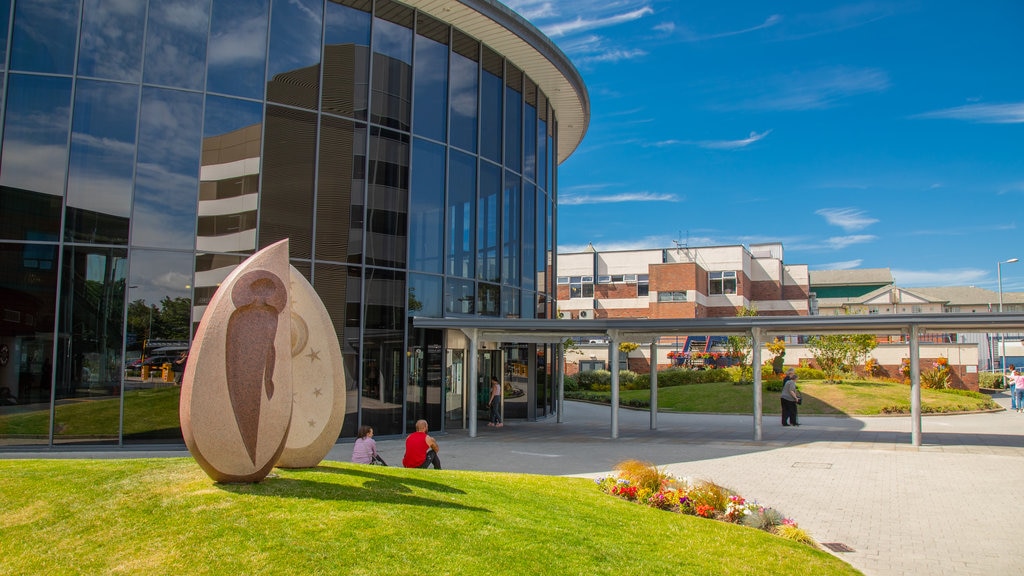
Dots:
{"x": 948, "y": 507}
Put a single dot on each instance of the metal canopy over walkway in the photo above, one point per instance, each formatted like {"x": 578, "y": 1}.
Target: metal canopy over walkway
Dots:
{"x": 759, "y": 328}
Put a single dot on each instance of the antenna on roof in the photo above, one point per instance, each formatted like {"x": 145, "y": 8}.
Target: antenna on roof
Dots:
{"x": 680, "y": 244}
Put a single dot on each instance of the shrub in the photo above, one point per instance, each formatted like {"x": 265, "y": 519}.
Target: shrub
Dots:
{"x": 598, "y": 380}
{"x": 990, "y": 380}
{"x": 763, "y": 518}
{"x": 936, "y": 379}
{"x": 772, "y": 385}
{"x": 794, "y": 533}
{"x": 570, "y": 384}
{"x": 642, "y": 474}
{"x": 682, "y": 376}
{"x": 629, "y": 380}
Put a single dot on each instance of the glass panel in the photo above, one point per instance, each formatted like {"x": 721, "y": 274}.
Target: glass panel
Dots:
{"x": 383, "y": 350}
{"x": 530, "y": 142}
{"x": 28, "y": 290}
{"x": 511, "y": 209}
{"x": 32, "y": 169}
{"x": 5, "y": 20}
{"x": 509, "y": 302}
{"x": 488, "y": 220}
{"x": 294, "y": 61}
{"x": 346, "y": 58}
{"x": 111, "y": 43}
{"x": 102, "y": 161}
{"x": 159, "y": 326}
{"x": 488, "y": 297}
{"x": 392, "y": 74}
{"x": 431, "y": 88}
{"x": 89, "y": 356}
{"x": 426, "y": 210}
{"x": 529, "y": 235}
{"x": 491, "y": 116}
{"x": 426, "y": 361}
{"x": 541, "y": 226}
{"x": 465, "y": 88}
{"x": 45, "y": 36}
{"x": 513, "y": 121}
{"x": 387, "y": 201}
{"x": 339, "y": 289}
{"x": 542, "y": 151}
{"x": 459, "y": 296}
{"x": 176, "y": 43}
{"x": 236, "y": 60}
{"x": 517, "y": 379}
{"x": 229, "y": 176}
{"x": 339, "y": 205}
{"x": 461, "y": 214}
{"x": 286, "y": 200}
{"x": 211, "y": 270}
{"x": 167, "y": 172}
{"x": 425, "y": 296}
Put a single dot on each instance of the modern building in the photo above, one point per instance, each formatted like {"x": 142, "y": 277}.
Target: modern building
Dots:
{"x": 408, "y": 151}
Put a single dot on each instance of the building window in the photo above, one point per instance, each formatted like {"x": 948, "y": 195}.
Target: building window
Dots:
{"x": 643, "y": 286}
{"x": 915, "y": 309}
{"x": 679, "y": 296}
{"x": 581, "y": 287}
{"x": 722, "y": 283}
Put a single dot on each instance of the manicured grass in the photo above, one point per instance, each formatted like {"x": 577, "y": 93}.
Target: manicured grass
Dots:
{"x": 165, "y": 516}
{"x": 859, "y": 398}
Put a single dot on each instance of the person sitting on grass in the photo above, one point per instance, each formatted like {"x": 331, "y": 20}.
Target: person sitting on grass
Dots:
{"x": 364, "y": 451}
{"x": 420, "y": 449}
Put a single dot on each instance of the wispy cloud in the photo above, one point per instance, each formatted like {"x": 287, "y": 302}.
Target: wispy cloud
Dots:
{"x": 581, "y": 24}
{"x": 811, "y": 90}
{"x": 844, "y": 265}
{"x": 843, "y": 17}
{"x": 949, "y": 277}
{"x": 848, "y": 219}
{"x": 840, "y": 242}
{"x": 688, "y": 35}
{"x": 1011, "y": 113}
{"x": 733, "y": 144}
{"x": 580, "y": 199}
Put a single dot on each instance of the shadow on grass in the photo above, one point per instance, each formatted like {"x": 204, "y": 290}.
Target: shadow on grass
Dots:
{"x": 378, "y": 488}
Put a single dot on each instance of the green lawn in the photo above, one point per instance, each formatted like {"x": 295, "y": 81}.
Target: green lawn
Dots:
{"x": 165, "y": 516}
{"x": 861, "y": 398}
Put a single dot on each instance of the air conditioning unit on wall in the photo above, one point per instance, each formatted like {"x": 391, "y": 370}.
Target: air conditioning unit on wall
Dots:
{"x": 586, "y": 314}
{"x": 565, "y": 315}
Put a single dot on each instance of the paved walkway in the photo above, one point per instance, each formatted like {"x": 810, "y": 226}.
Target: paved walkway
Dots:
{"x": 951, "y": 506}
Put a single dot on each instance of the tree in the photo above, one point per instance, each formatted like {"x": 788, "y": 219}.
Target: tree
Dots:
{"x": 831, "y": 352}
{"x": 860, "y": 346}
{"x": 777, "y": 348}
{"x": 739, "y": 346}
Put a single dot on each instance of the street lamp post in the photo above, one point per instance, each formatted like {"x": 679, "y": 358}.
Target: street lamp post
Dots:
{"x": 999, "y": 280}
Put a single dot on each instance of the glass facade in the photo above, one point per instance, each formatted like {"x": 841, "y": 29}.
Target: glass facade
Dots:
{"x": 149, "y": 147}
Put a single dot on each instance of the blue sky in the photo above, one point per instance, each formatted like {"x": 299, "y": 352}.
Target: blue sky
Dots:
{"x": 858, "y": 134}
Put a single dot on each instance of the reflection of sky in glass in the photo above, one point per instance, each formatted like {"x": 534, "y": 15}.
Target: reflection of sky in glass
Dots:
{"x": 5, "y": 15}
{"x": 427, "y": 291}
{"x": 225, "y": 115}
{"x": 295, "y": 35}
{"x": 111, "y": 45}
{"x": 176, "y": 43}
{"x": 44, "y": 36}
{"x": 36, "y": 133}
{"x": 237, "y": 52}
{"x": 156, "y": 275}
{"x": 103, "y": 147}
{"x": 431, "y": 88}
{"x": 392, "y": 40}
{"x": 464, "y": 81}
{"x": 167, "y": 173}
{"x": 346, "y": 25}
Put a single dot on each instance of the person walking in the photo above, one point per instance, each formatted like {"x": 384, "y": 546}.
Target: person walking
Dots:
{"x": 790, "y": 398}
{"x": 495, "y": 403}
{"x": 1010, "y": 382}
{"x": 1018, "y": 392}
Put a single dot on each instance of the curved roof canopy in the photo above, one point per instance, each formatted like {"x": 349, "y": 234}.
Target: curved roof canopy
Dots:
{"x": 529, "y": 49}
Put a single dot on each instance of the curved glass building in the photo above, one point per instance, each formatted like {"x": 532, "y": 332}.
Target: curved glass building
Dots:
{"x": 408, "y": 151}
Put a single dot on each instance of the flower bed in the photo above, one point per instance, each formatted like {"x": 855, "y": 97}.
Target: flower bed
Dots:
{"x": 644, "y": 484}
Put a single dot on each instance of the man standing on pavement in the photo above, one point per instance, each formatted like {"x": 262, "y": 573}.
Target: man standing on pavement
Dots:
{"x": 421, "y": 449}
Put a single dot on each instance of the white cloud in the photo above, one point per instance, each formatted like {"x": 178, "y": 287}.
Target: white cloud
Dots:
{"x": 846, "y": 218}
{"x": 844, "y": 265}
{"x": 840, "y": 242}
{"x": 733, "y": 144}
{"x": 1012, "y": 113}
{"x": 580, "y": 24}
{"x": 770, "y": 21}
{"x": 812, "y": 90}
{"x": 950, "y": 277}
{"x": 577, "y": 200}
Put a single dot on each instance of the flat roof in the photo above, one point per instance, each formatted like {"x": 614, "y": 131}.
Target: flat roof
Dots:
{"x": 530, "y": 50}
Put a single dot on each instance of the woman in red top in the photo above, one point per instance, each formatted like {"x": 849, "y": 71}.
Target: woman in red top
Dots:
{"x": 420, "y": 449}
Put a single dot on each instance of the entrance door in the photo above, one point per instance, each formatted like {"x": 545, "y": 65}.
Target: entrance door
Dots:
{"x": 455, "y": 389}
{"x": 489, "y": 365}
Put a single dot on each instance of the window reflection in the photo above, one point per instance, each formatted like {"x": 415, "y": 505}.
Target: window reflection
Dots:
{"x": 425, "y": 295}
{"x": 236, "y": 59}
{"x": 383, "y": 357}
{"x": 176, "y": 43}
{"x": 509, "y": 302}
{"x": 210, "y": 271}
{"x": 166, "y": 179}
{"x": 492, "y": 88}
{"x": 431, "y": 79}
{"x": 511, "y": 209}
{"x": 459, "y": 296}
{"x": 339, "y": 287}
{"x": 89, "y": 357}
{"x": 294, "y": 59}
{"x": 159, "y": 326}
{"x": 529, "y": 236}
{"x": 229, "y": 176}
{"x": 28, "y": 293}
{"x": 346, "y": 57}
{"x": 5, "y": 18}
{"x": 488, "y": 297}
{"x": 461, "y": 214}
{"x": 341, "y": 182}
{"x": 426, "y": 210}
{"x": 111, "y": 44}
{"x": 513, "y": 120}
{"x": 530, "y": 138}
{"x": 392, "y": 74}
{"x": 102, "y": 162}
{"x": 35, "y": 134}
{"x": 465, "y": 86}
{"x": 45, "y": 34}
{"x": 286, "y": 201}
{"x": 387, "y": 199}
{"x": 488, "y": 219}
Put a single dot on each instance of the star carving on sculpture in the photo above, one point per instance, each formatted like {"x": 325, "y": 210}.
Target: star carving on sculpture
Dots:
{"x": 312, "y": 423}
{"x": 317, "y": 392}
{"x": 313, "y": 355}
